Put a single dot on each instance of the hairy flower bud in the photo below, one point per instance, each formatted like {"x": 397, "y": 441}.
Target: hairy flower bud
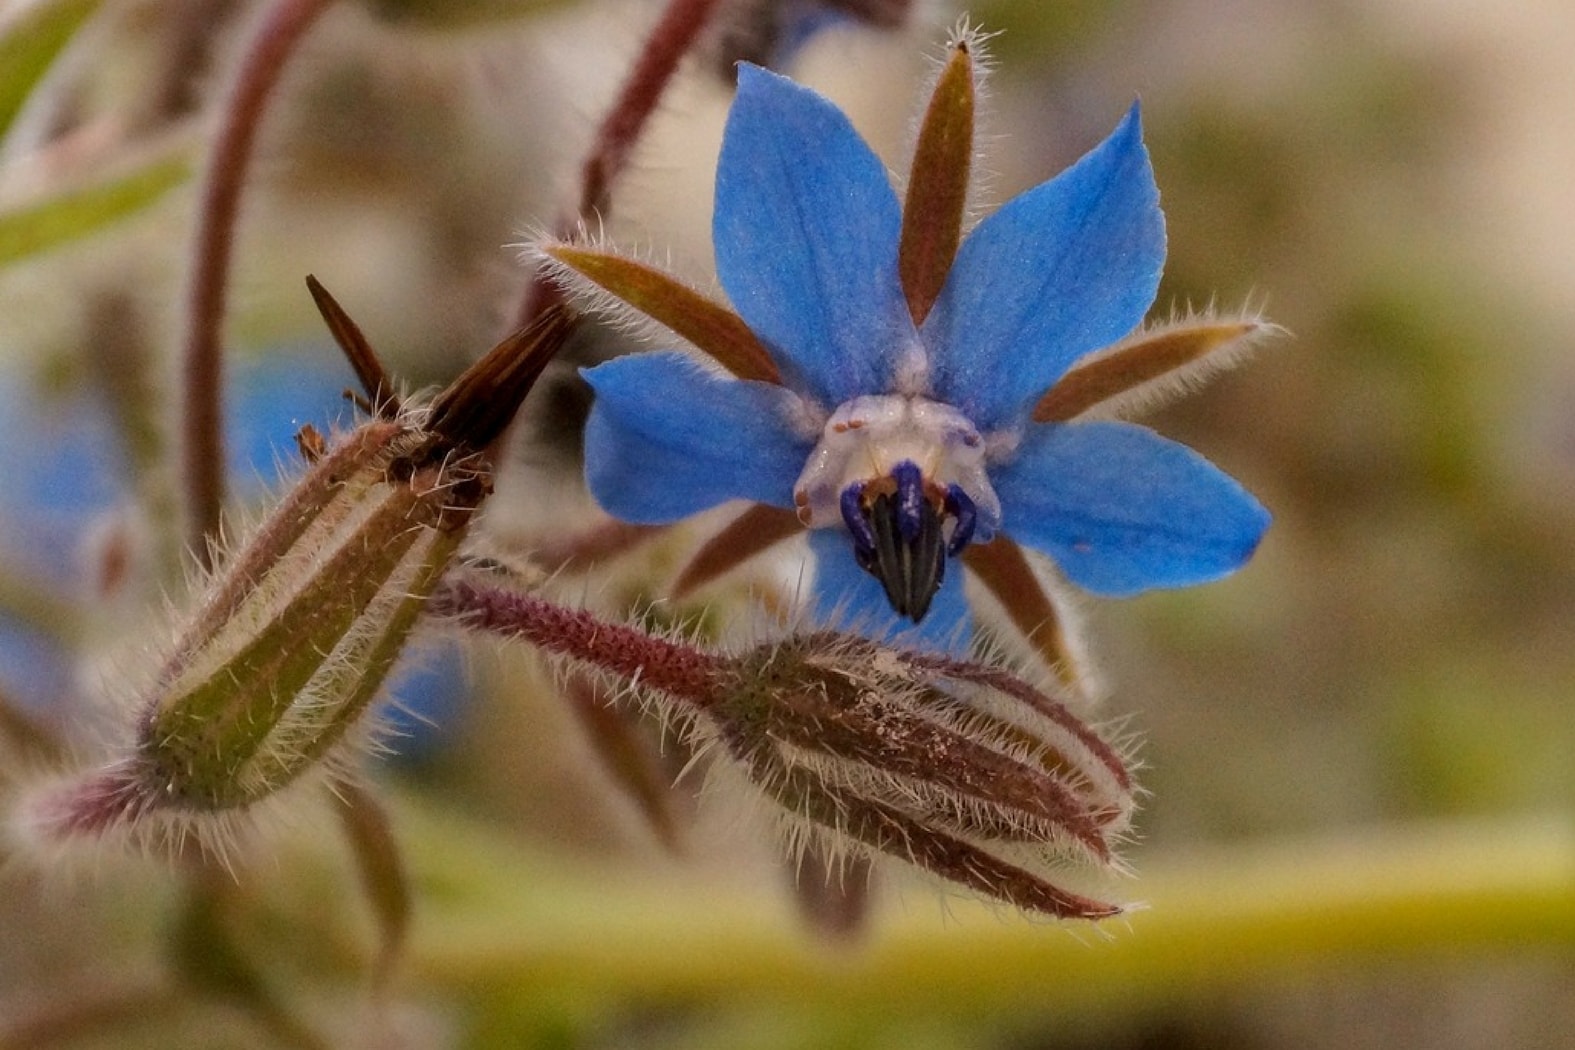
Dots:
{"x": 297, "y": 633}
{"x": 958, "y": 768}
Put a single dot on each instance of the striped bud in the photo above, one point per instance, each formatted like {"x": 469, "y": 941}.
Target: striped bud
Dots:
{"x": 296, "y": 634}
{"x": 958, "y": 768}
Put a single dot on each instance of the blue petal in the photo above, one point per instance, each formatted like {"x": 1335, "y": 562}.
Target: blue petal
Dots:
{"x": 1064, "y": 269}
{"x": 1121, "y": 509}
{"x": 806, "y": 229}
{"x": 848, "y": 598}
{"x": 667, "y": 439}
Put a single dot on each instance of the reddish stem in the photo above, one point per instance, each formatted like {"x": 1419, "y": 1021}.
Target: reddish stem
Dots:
{"x": 669, "y": 41}
{"x": 282, "y": 27}
{"x": 671, "y": 38}
{"x": 681, "y": 671}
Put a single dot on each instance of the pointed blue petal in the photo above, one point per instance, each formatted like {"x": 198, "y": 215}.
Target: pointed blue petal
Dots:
{"x": 806, "y": 229}
{"x": 666, "y": 439}
{"x": 1064, "y": 269}
{"x": 848, "y": 598}
{"x": 1121, "y": 509}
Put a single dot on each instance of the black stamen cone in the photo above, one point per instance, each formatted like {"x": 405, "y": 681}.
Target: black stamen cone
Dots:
{"x": 910, "y": 570}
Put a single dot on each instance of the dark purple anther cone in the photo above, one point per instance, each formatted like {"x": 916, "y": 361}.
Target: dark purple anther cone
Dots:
{"x": 858, "y": 523}
{"x": 910, "y": 499}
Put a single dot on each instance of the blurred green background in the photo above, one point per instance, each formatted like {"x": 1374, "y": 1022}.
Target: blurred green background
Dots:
{"x": 1356, "y": 750}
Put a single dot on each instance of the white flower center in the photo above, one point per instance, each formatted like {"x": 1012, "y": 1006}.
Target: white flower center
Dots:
{"x": 867, "y": 437}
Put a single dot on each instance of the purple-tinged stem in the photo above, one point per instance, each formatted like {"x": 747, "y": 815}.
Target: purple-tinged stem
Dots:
{"x": 671, "y": 38}
{"x": 669, "y": 41}
{"x": 681, "y": 671}
{"x": 111, "y": 798}
{"x": 282, "y": 26}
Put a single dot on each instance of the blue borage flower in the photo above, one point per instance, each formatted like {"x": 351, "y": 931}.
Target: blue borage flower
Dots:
{"x": 912, "y": 395}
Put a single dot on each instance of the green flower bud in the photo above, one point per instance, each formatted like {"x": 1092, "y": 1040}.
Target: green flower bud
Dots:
{"x": 297, "y": 632}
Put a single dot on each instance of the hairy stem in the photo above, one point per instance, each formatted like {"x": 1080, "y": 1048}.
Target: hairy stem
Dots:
{"x": 681, "y": 671}
{"x": 669, "y": 41}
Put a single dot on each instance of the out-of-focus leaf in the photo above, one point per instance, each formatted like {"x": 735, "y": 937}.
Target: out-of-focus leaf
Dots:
{"x": 370, "y": 835}
{"x": 459, "y": 14}
{"x": 208, "y": 960}
{"x": 22, "y": 734}
{"x": 33, "y": 603}
{"x": 48, "y": 223}
{"x": 30, "y": 38}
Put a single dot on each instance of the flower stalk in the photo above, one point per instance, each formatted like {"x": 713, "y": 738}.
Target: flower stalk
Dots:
{"x": 672, "y": 37}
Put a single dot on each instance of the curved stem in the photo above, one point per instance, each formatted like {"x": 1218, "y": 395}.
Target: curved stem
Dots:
{"x": 671, "y": 38}
{"x": 202, "y": 455}
{"x": 669, "y": 41}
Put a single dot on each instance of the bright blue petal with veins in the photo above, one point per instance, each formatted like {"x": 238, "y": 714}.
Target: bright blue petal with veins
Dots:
{"x": 1064, "y": 269}
{"x": 848, "y": 598}
{"x": 1121, "y": 509}
{"x": 806, "y": 229}
{"x": 666, "y": 438}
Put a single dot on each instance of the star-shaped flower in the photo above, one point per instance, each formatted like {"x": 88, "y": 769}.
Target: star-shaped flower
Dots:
{"x": 909, "y": 394}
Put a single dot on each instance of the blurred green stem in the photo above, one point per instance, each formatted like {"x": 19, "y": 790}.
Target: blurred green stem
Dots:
{"x": 124, "y": 362}
{"x": 31, "y": 37}
{"x": 1214, "y": 922}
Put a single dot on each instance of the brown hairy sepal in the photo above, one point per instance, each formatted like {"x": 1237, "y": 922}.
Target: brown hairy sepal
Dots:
{"x": 961, "y": 770}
